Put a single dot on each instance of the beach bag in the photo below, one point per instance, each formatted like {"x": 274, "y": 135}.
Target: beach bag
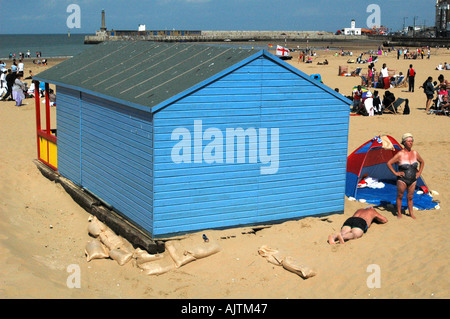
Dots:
{"x": 406, "y": 110}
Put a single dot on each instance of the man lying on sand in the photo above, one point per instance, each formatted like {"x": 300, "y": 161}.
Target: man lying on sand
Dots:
{"x": 355, "y": 226}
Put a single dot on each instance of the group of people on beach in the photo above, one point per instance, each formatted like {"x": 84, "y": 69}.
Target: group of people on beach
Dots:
{"x": 442, "y": 88}
{"x": 410, "y": 166}
{"x": 12, "y": 55}
{"x": 443, "y": 67}
{"x": 370, "y": 104}
{"x": 413, "y": 54}
{"x": 12, "y": 86}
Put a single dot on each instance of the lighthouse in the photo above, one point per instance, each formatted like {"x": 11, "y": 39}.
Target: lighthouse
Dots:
{"x": 103, "y": 27}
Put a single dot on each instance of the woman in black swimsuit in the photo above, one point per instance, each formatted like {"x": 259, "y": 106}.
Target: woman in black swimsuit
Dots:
{"x": 408, "y": 172}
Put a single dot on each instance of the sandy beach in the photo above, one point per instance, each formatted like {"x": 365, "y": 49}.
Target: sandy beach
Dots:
{"x": 43, "y": 231}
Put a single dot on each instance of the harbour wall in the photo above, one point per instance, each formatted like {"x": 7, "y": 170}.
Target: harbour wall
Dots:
{"x": 232, "y": 36}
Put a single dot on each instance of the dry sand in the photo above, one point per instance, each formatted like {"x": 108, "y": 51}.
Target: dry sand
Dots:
{"x": 43, "y": 230}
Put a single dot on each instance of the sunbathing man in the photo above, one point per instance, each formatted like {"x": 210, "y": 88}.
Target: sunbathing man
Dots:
{"x": 355, "y": 226}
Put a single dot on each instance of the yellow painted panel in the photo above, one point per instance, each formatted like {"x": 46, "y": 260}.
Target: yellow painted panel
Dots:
{"x": 53, "y": 154}
{"x": 43, "y": 148}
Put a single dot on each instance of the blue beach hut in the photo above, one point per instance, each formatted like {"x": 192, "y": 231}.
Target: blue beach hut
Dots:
{"x": 180, "y": 137}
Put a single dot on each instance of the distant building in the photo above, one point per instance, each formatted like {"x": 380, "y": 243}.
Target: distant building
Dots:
{"x": 443, "y": 18}
{"x": 353, "y": 30}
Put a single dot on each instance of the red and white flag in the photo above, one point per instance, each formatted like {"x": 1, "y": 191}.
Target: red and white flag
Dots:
{"x": 282, "y": 51}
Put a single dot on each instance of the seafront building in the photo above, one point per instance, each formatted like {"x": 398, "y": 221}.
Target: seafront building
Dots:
{"x": 442, "y": 18}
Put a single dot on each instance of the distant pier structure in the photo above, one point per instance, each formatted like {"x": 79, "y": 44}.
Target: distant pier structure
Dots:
{"x": 206, "y": 36}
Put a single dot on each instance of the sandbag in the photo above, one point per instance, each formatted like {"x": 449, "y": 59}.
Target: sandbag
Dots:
{"x": 110, "y": 239}
{"x": 95, "y": 250}
{"x": 204, "y": 250}
{"x": 190, "y": 248}
{"x": 95, "y": 227}
{"x": 289, "y": 263}
{"x": 179, "y": 255}
{"x": 158, "y": 267}
{"x": 292, "y": 265}
{"x": 122, "y": 256}
{"x": 142, "y": 256}
{"x": 273, "y": 256}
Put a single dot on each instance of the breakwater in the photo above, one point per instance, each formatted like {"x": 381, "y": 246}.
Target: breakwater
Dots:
{"x": 219, "y": 36}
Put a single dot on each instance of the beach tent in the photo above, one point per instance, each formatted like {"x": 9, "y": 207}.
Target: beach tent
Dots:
{"x": 369, "y": 178}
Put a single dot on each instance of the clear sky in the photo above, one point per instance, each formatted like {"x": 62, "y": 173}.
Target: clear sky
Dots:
{"x": 50, "y": 16}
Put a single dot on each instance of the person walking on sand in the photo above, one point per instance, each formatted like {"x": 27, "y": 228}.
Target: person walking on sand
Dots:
{"x": 10, "y": 78}
{"x": 428, "y": 89}
{"x": 384, "y": 74}
{"x": 18, "y": 90}
{"x": 407, "y": 175}
{"x": 411, "y": 74}
{"x": 356, "y": 226}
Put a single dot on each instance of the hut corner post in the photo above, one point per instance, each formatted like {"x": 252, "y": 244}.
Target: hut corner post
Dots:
{"x": 38, "y": 116}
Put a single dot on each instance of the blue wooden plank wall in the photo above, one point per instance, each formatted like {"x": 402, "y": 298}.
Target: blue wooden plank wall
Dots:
{"x": 116, "y": 157}
{"x": 309, "y": 177}
{"x": 68, "y": 120}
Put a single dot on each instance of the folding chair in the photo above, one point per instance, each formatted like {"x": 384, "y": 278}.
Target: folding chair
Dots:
{"x": 400, "y": 82}
{"x": 364, "y": 81}
{"x": 356, "y": 72}
{"x": 395, "y": 106}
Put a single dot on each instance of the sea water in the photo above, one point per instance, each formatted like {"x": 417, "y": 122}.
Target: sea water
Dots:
{"x": 50, "y": 45}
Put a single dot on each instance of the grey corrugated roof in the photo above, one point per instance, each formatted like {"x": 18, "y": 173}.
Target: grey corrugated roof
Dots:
{"x": 141, "y": 72}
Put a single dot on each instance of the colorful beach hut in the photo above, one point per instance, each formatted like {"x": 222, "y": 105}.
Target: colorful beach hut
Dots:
{"x": 182, "y": 137}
